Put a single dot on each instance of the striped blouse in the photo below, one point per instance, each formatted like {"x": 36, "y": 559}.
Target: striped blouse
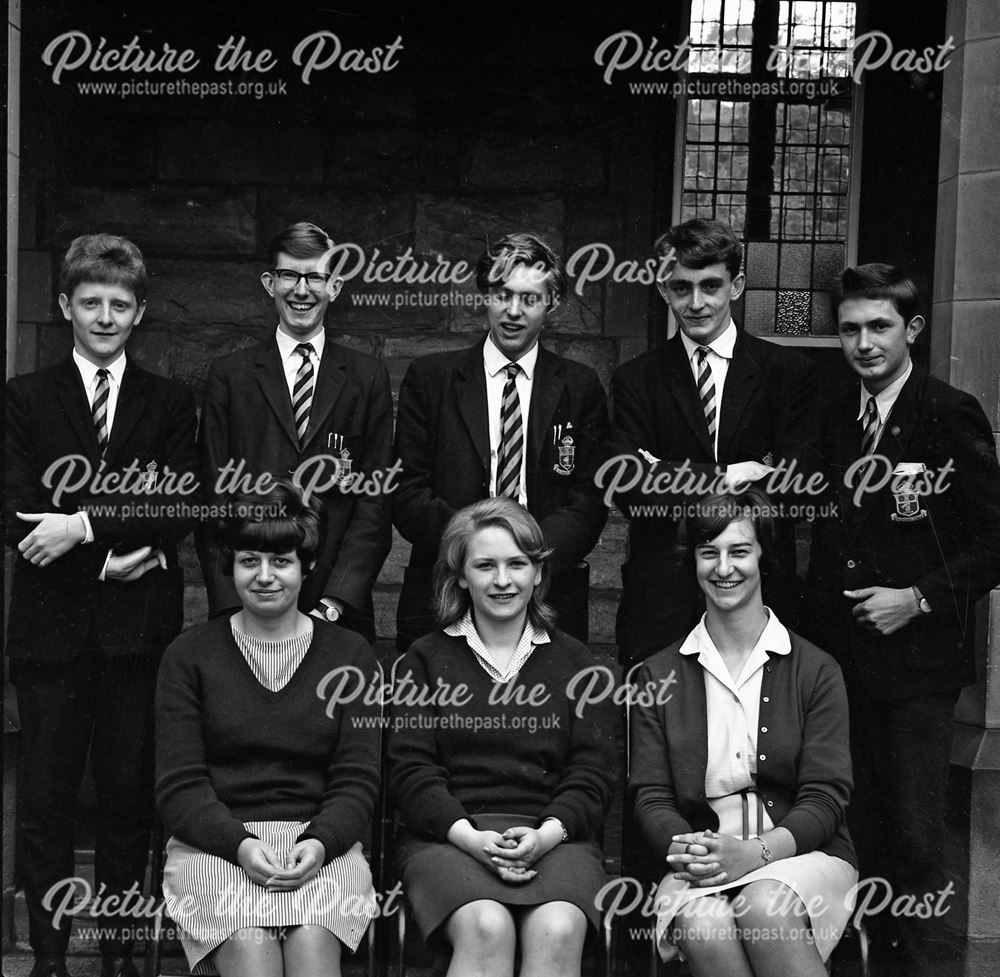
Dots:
{"x": 273, "y": 663}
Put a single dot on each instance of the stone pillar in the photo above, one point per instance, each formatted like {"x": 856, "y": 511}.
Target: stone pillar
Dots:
{"x": 13, "y": 179}
{"x": 965, "y": 351}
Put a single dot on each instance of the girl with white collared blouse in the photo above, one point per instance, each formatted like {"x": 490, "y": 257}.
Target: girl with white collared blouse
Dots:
{"x": 742, "y": 779}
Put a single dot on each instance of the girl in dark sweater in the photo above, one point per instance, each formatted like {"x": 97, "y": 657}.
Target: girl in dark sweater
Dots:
{"x": 265, "y": 786}
{"x": 500, "y": 780}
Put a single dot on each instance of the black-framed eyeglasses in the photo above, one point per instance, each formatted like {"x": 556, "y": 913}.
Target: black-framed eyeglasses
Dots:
{"x": 314, "y": 279}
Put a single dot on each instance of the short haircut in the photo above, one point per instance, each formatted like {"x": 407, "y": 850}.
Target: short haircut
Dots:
{"x": 105, "y": 258}
{"x": 302, "y": 240}
{"x": 452, "y": 599}
{"x": 877, "y": 281}
{"x": 278, "y": 521}
{"x": 715, "y": 512}
{"x": 501, "y": 257}
{"x": 699, "y": 243}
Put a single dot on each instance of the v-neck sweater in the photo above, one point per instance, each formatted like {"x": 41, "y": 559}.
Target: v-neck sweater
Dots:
{"x": 228, "y": 750}
{"x": 538, "y": 746}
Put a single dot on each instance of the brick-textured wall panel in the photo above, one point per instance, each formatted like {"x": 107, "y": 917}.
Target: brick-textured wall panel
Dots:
{"x": 540, "y": 162}
{"x": 160, "y": 220}
{"x": 199, "y": 292}
{"x": 399, "y": 557}
{"x": 193, "y": 349}
{"x": 228, "y": 152}
{"x": 456, "y": 226}
{"x": 366, "y": 218}
{"x": 599, "y": 354}
{"x": 603, "y": 608}
{"x": 35, "y": 286}
{"x": 398, "y": 157}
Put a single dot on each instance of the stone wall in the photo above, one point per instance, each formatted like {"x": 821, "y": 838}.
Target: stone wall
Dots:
{"x": 416, "y": 168}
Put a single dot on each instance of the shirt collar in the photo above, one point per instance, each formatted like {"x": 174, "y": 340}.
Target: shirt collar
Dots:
{"x": 885, "y": 399}
{"x": 530, "y": 637}
{"x": 773, "y": 638}
{"x": 287, "y": 344}
{"x": 722, "y": 345}
{"x": 88, "y": 371}
{"x": 495, "y": 361}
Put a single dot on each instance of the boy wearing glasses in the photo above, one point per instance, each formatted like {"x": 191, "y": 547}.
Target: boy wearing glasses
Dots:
{"x": 504, "y": 418}
{"x": 300, "y": 403}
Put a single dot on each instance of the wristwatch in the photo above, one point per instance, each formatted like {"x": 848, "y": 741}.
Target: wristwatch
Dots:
{"x": 921, "y": 601}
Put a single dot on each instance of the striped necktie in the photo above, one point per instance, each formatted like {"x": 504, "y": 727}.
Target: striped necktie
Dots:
{"x": 100, "y": 409}
{"x": 302, "y": 390}
{"x": 706, "y": 393}
{"x": 869, "y": 424}
{"x": 511, "y": 437}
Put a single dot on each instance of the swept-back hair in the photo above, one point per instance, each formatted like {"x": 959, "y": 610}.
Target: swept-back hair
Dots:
{"x": 501, "y": 257}
{"x": 878, "y": 281}
{"x": 699, "y": 243}
{"x": 452, "y": 599}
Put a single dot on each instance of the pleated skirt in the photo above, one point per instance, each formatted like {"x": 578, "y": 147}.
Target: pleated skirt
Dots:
{"x": 210, "y": 898}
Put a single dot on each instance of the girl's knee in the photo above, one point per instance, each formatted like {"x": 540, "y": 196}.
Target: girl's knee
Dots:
{"x": 483, "y": 923}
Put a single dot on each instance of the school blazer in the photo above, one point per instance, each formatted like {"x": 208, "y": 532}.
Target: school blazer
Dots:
{"x": 769, "y": 413}
{"x": 443, "y": 442}
{"x": 945, "y": 541}
{"x": 56, "y": 609}
{"x": 247, "y": 418}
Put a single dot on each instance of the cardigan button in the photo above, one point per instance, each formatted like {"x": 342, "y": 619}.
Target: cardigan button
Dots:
{"x": 762, "y": 757}
{"x": 763, "y": 729}
{"x": 851, "y": 564}
{"x": 766, "y": 699}
{"x": 770, "y": 803}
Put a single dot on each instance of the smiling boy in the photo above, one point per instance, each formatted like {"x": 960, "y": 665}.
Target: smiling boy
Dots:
{"x": 300, "y": 401}
{"x": 720, "y": 403}
{"x": 896, "y": 575}
{"x": 97, "y": 590}
{"x": 506, "y": 417}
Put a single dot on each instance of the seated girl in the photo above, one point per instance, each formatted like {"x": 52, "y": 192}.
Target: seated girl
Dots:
{"x": 265, "y": 788}
{"x": 742, "y": 778}
{"x": 501, "y": 786}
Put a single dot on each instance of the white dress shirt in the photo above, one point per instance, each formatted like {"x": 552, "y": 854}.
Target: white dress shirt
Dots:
{"x": 88, "y": 373}
{"x": 721, "y": 352}
{"x": 733, "y": 711}
{"x": 884, "y": 402}
{"x": 291, "y": 361}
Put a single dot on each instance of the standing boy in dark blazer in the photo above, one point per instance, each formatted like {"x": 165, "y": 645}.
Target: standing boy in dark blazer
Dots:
{"x": 897, "y": 572}
{"x": 450, "y": 435}
{"x": 711, "y": 407}
{"x": 101, "y": 472}
{"x": 299, "y": 404}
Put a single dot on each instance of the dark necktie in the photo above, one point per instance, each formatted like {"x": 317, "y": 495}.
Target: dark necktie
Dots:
{"x": 511, "y": 437}
{"x": 869, "y": 424}
{"x": 706, "y": 392}
{"x": 302, "y": 390}
{"x": 100, "y": 409}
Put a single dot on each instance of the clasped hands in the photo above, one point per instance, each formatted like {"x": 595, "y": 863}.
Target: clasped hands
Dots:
{"x": 510, "y": 854}
{"x": 267, "y": 868}
{"x": 704, "y": 858}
